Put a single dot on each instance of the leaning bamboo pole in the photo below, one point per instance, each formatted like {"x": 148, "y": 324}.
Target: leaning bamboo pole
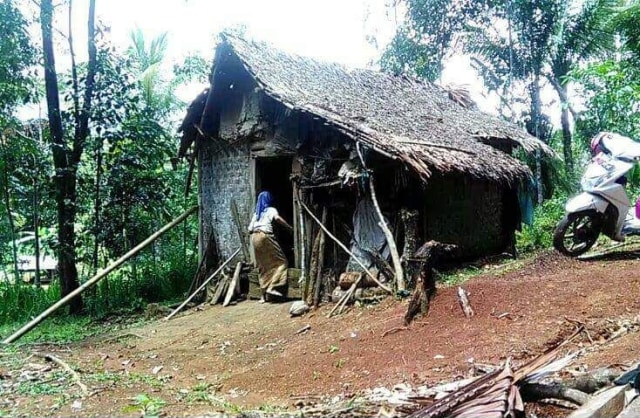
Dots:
{"x": 95, "y": 279}
{"x": 344, "y": 247}
{"x": 393, "y": 248}
{"x": 206, "y": 282}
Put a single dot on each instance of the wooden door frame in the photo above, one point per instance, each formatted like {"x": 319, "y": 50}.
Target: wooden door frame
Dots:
{"x": 255, "y": 183}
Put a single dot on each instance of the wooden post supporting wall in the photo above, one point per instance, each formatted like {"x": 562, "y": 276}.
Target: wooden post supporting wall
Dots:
{"x": 295, "y": 171}
{"x": 320, "y": 265}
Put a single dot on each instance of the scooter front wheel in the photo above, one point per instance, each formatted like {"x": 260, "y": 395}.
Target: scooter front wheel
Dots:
{"x": 577, "y": 232}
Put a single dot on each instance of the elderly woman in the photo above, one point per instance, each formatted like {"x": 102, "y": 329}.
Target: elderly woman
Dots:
{"x": 269, "y": 257}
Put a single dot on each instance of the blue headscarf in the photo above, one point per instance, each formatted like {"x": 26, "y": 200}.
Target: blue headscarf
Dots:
{"x": 264, "y": 201}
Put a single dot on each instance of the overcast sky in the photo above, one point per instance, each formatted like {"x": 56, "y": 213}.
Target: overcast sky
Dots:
{"x": 330, "y": 30}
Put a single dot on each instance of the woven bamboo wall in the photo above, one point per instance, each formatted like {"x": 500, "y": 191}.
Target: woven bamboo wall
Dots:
{"x": 224, "y": 175}
{"x": 466, "y": 212}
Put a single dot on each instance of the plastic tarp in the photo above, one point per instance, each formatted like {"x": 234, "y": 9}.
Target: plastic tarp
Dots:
{"x": 525, "y": 199}
{"x": 368, "y": 237}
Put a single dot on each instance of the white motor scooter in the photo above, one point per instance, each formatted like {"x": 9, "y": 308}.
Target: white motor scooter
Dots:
{"x": 603, "y": 206}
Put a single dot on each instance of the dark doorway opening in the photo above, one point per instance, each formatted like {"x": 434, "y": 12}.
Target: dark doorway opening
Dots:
{"x": 274, "y": 175}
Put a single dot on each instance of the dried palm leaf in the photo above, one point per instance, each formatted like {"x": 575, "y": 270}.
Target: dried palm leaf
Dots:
{"x": 461, "y": 95}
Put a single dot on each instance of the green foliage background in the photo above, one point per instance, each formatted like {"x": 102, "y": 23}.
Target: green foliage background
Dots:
{"x": 521, "y": 49}
{"x": 129, "y": 184}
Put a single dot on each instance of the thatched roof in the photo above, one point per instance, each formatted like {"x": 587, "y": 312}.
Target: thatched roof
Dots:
{"x": 419, "y": 123}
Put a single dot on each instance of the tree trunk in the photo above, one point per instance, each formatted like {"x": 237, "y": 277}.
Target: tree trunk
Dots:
{"x": 307, "y": 293}
{"x": 74, "y": 71}
{"x": 65, "y": 173}
{"x": 97, "y": 207}
{"x": 567, "y": 114}
{"x": 567, "y": 141}
{"x": 536, "y": 120}
{"x": 321, "y": 252}
{"x": 12, "y": 227}
{"x": 567, "y": 134}
{"x": 410, "y": 226}
{"x": 65, "y": 158}
{"x": 66, "y": 200}
{"x": 184, "y": 240}
{"x": 36, "y": 226}
{"x": 82, "y": 131}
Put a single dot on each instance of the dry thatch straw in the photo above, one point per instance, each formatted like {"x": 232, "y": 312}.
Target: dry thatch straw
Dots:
{"x": 418, "y": 123}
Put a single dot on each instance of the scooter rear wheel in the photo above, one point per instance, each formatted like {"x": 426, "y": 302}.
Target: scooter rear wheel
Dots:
{"x": 577, "y": 232}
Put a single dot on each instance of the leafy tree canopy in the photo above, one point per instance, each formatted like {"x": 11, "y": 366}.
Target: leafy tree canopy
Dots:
{"x": 17, "y": 57}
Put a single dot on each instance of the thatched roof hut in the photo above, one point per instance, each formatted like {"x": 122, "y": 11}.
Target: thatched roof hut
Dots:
{"x": 431, "y": 150}
{"x": 414, "y": 121}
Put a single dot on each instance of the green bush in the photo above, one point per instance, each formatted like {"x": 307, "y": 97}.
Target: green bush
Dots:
{"x": 58, "y": 329}
{"x": 539, "y": 235}
{"x": 147, "y": 279}
{"x": 132, "y": 288}
{"x": 21, "y": 301}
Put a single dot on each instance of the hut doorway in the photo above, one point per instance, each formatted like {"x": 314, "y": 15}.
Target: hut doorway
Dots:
{"x": 274, "y": 175}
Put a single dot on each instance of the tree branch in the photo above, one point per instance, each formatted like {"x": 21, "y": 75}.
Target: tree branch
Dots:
{"x": 74, "y": 72}
{"x": 51, "y": 87}
{"x": 537, "y": 391}
{"x": 562, "y": 94}
{"x": 83, "y": 129}
{"x": 493, "y": 78}
{"x": 68, "y": 369}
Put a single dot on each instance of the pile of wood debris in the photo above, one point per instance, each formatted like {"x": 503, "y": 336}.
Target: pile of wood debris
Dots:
{"x": 499, "y": 391}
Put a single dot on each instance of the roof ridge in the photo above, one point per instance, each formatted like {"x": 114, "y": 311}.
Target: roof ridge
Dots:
{"x": 378, "y": 108}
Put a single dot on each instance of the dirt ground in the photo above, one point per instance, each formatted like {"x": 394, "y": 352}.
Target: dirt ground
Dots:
{"x": 251, "y": 356}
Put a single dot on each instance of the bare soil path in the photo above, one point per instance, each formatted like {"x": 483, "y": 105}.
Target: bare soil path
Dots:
{"x": 250, "y": 354}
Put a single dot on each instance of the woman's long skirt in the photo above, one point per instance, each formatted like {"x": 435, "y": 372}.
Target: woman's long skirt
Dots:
{"x": 271, "y": 261}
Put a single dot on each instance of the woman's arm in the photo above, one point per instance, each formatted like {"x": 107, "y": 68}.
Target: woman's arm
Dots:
{"x": 284, "y": 223}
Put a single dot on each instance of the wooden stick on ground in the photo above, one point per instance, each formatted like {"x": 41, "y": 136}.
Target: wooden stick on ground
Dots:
{"x": 95, "y": 279}
{"x": 343, "y": 300}
{"x": 233, "y": 284}
{"x": 68, "y": 369}
{"x": 394, "y": 330}
{"x": 607, "y": 251}
{"x": 348, "y": 296}
{"x": 220, "y": 287}
{"x": 463, "y": 299}
{"x": 337, "y": 241}
{"x": 119, "y": 337}
{"x": 393, "y": 248}
{"x": 215, "y": 273}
